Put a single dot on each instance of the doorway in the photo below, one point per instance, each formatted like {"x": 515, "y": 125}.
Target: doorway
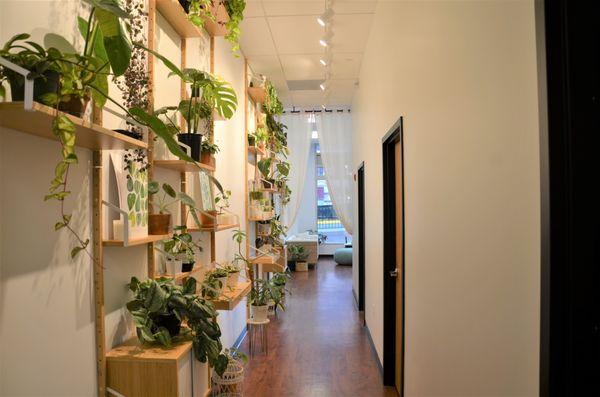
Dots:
{"x": 393, "y": 260}
{"x": 361, "y": 238}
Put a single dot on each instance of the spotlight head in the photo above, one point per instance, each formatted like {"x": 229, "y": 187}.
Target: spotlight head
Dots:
{"x": 323, "y": 42}
{"x": 324, "y": 85}
{"x": 324, "y": 18}
{"x": 323, "y": 62}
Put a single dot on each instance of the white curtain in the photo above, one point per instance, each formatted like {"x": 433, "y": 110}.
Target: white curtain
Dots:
{"x": 299, "y": 133}
{"x": 335, "y": 139}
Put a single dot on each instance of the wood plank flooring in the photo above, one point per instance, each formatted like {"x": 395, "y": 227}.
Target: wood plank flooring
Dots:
{"x": 318, "y": 346}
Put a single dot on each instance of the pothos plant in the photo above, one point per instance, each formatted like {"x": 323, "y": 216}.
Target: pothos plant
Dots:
{"x": 107, "y": 48}
{"x": 155, "y": 299}
{"x": 181, "y": 244}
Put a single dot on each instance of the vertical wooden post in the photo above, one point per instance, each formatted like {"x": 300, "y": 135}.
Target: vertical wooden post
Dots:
{"x": 151, "y": 255}
{"x": 98, "y": 272}
{"x": 247, "y": 200}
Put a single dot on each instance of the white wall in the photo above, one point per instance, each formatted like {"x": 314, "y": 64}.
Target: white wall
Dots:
{"x": 462, "y": 74}
{"x": 46, "y": 305}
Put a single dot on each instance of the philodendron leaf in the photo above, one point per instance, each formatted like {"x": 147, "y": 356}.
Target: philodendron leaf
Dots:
{"x": 169, "y": 190}
{"x": 162, "y": 131}
{"x": 115, "y": 38}
{"x": 153, "y": 187}
{"x": 163, "y": 336}
{"x": 156, "y": 298}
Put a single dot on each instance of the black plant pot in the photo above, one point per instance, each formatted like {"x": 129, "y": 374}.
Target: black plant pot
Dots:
{"x": 187, "y": 267}
{"x": 41, "y": 86}
{"x": 186, "y": 5}
{"x": 291, "y": 265}
{"x": 169, "y": 321}
{"x": 251, "y": 140}
{"x": 194, "y": 141}
{"x": 131, "y": 134}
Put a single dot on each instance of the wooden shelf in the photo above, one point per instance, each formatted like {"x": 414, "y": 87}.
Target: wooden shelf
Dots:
{"x": 257, "y": 150}
{"x": 261, "y": 219}
{"x": 182, "y": 166}
{"x": 264, "y": 259}
{"x": 134, "y": 350}
{"x": 139, "y": 241}
{"x": 39, "y": 122}
{"x": 178, "y": 19}
{"x": 217, "y": 228}
{"x": 180, "y": 276}
{"x": 257, "y": 94}
{"x": 271, "y": 190}
{"x": 230, "y": 299}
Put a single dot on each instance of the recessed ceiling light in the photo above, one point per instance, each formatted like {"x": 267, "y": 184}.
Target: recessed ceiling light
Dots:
{"x": 324, "y": 18}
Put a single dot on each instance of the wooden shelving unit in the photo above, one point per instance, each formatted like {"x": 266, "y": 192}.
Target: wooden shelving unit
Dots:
{"x": 140, "y": 241}
{"x": 218, "y": 228}
{"x": 257, "y": 94}
{"x": 264, "y": 259}
{"x": 182, "y": 166}
{"x": 178, "y": 19}
{"x": 39, "y": 120}
{"x": 252, "y": 219}
{"x": 230, "y": 299}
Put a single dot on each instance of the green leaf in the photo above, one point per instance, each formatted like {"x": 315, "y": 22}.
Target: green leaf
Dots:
{"x": 116, "y": 40}
{"x": 53, "y": 40}
{"x": 153, "y": 187}
{"x": 75, "y": 251}
{"x": 59, "y": 225}
{"x": 112, "y": 6}
{"x": 156, "y": 298}
{"x": 163, "y": 336}
{"x": 17, "y": 37}
{"x": 138, "y": 204}
{"x": 169, "y": 190}
{"x": 130, "y": 201}
{"x": 129, "y": 185}
{"x": 137, "y": 186}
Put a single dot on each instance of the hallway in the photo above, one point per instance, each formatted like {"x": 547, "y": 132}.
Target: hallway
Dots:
{"x": 317, "y": 347}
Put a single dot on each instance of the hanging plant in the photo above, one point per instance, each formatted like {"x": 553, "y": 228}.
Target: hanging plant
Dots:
{"x": 235, "y": 9}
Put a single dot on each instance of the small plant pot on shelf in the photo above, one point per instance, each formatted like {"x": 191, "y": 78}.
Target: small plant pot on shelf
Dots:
{"x": 194, "y": 141}
{"x": 174, "y": 266}
{"x": 159, "y": 224}
{"x": 187, "y": 266}
{"x": 301, "y": 266}
{"x": 169, "y": 321}
{"x": 41, "y": 85}
{"x": 207, "y": 158}
{"x": 233, "y": 279}
{"x": 207, "y": 221}
{"x": 264, "y": 228}
{"x": 267, "y": 184}
{"x": 259, "y": 313}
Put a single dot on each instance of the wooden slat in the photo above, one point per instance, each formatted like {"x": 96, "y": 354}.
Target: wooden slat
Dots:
{"x": 139, "y": 241}
{"x": 217, "y": 228}
{"x": 182, "y": 166}
{"x": 257, "y": 94}
{"x": 39, "y": 122}
{"x": 230, "y": 299}
{"x": 98, "y": 273}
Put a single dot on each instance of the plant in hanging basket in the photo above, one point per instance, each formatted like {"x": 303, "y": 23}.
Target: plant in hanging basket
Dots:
{"x": 160, "y": 306}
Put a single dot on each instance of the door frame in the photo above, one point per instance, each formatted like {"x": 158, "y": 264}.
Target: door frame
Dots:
{"x": 395, "y": 135}
{"x": 360, "y": 176}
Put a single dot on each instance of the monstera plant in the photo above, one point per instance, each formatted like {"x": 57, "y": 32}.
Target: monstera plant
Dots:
{"x": 160, "y": 306}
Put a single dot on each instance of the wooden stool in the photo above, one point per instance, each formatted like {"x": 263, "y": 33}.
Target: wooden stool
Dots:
{"x": 258, "y": 334}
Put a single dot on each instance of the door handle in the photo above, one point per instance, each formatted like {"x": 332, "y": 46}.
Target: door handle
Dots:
{"x": 394, "y": 273}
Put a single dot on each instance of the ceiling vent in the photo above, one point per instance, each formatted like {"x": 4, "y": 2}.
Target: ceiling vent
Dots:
{"x": 304, "y": 85}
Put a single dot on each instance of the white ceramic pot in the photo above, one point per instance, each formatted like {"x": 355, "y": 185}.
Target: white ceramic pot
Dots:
{"x": 259, "y": 313}
{"x": 174, "y": 266}
{"x": 301, "y": 266}
{"x": 233, "y": 279}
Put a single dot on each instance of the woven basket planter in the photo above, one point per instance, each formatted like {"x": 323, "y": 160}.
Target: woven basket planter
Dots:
{"x": 232, "y": 381}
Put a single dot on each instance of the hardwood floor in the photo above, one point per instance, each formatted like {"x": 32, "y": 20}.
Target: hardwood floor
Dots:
{"x": 317, "y": 347}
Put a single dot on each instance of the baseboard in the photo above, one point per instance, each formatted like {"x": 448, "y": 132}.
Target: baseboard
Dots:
{"x": 240, "y": 338}
{"x": 374, "y": 350}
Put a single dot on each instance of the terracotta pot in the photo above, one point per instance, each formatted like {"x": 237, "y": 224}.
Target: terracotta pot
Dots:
{"x": 208, "y": 159}
{"x": 207, "y": 221}
{"x": 159, "y": 223}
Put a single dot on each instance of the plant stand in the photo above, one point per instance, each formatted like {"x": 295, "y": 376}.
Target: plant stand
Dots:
{"x": 232, "y": 381}
{"x": 258, "y": 337}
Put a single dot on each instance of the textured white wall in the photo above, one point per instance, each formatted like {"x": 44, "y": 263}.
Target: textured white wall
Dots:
{"x": 463, "y": 76}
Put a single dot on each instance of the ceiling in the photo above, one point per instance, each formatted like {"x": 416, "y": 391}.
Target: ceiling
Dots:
{"x": 280, "y": 39}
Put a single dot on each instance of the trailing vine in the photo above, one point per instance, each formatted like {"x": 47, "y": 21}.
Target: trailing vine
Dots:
{"x": 235, "y": 9}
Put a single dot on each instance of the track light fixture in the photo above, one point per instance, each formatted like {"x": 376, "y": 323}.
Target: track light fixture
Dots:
{"x": 323, "y": 61}
{"x": 325, "y": 40}
{"x": 324, "y": 85}
{"x": 325, "y": 17}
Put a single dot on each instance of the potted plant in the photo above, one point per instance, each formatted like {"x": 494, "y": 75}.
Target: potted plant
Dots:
{"x": 233, "y": 274}
{"x": 214, "y": 282}
{"x": 264, "y": 166}
{"x": 160, "y": 306}
{"x": 264, "y": 228}
{"x": 278, "y": 291}
{"x": 158, "y": 224}
{"x": 208, "y": 152}
{"x": 180, "y": 250}
{"x": 222, "y": 203}
{"x": 231, "y": 382}
{"x": 298, "y": 255}
{"x": 259, "y": 300}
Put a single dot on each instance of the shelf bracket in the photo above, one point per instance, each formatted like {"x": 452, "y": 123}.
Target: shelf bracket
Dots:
{"x": 28, "y": 88}
{"x": 125, "y": 220}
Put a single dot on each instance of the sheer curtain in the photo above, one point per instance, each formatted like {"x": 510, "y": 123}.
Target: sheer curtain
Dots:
{"x": 299, "y": 132}
{"x": 335, "y": 140}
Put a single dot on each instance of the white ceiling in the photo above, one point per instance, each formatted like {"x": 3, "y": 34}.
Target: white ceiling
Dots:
{"x": 280, "y": 39}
